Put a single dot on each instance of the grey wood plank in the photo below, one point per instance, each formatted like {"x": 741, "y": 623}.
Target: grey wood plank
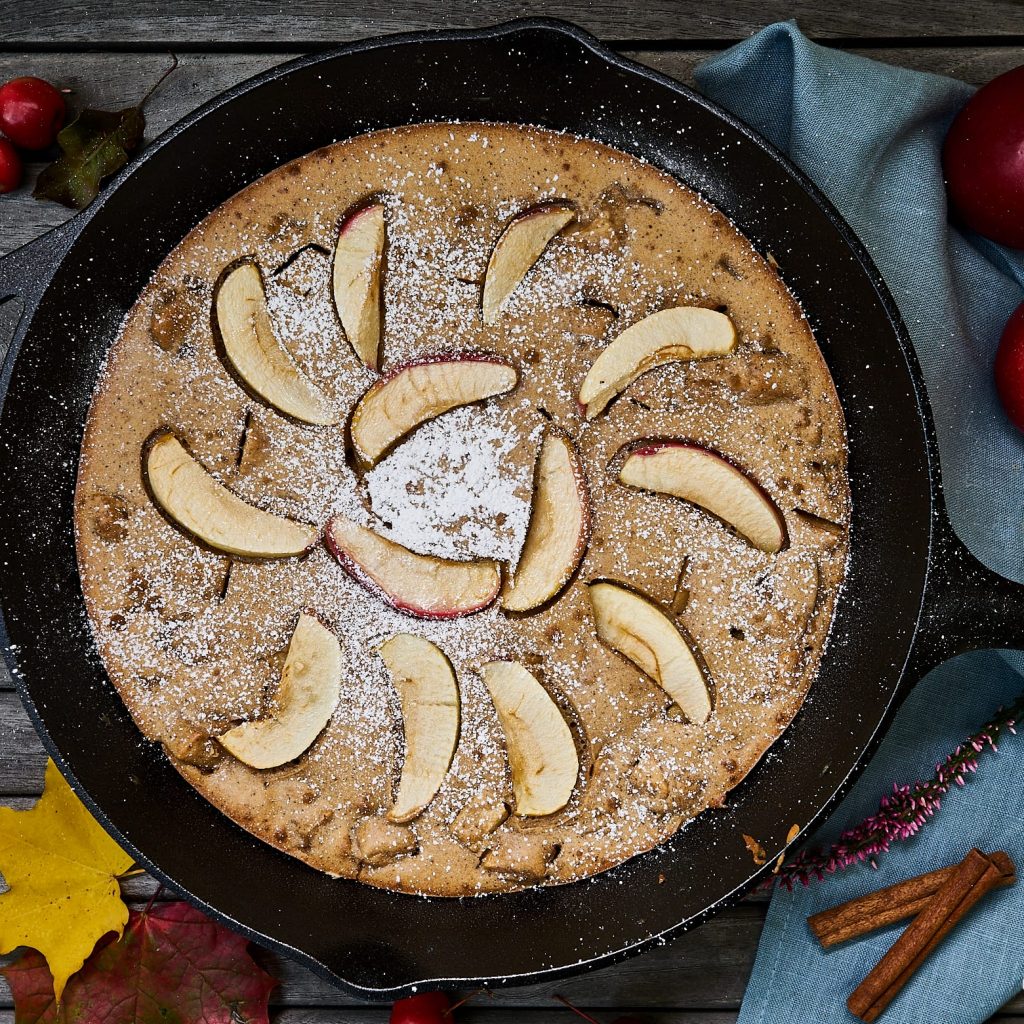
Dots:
{"x": 110, "y": 80}
{"x": 21, "y": 754}
{"x": 306, "y": 22}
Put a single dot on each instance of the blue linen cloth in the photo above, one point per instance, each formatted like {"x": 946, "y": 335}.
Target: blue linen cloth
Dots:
{"x": 870, "y": 136}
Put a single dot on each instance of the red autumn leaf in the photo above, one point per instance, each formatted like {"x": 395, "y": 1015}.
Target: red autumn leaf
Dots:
{"x": 173, "y": 964}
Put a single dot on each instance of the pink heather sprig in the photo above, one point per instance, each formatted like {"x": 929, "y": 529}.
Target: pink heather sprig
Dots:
{"x": 902, "y": 813}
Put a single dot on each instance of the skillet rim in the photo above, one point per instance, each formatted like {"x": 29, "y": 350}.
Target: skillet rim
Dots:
{"x": 67, "y": 235}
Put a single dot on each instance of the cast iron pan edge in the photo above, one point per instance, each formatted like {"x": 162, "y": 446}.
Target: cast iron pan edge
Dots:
{"x": 28, "y": 272}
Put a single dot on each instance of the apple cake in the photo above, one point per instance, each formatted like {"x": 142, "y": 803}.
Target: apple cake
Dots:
{"x": 463, "y": 507}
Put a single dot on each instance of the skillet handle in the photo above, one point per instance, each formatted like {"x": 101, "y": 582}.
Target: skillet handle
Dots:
{"x": 966, "y": 607}
{"x": 25, "y": 272}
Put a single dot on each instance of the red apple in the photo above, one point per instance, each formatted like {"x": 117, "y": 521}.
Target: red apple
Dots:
{"x": 31, "y": 112}
{"x": 425, "y": 1008}
{"x": 983, "y": 161}
{"x": 10, "y": 167}
{"x": 1009, "y": 368}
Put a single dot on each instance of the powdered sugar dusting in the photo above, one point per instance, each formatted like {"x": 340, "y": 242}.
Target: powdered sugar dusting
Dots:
{"x": 454, "y": 490}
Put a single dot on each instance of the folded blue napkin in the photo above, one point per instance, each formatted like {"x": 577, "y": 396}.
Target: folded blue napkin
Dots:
{"x": 870, "y": 135}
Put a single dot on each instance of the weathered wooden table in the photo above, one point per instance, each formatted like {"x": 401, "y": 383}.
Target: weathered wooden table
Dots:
{"x": 109, "y": 52}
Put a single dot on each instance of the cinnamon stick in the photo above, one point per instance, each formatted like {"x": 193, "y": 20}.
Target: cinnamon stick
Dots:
{"x": 888, "y": 906}
{"x": 878, "y": 909}
{"x": 975, "y": 876}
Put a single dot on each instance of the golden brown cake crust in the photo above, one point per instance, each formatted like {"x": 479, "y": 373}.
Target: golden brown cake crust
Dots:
{"x": 194, "y": 642}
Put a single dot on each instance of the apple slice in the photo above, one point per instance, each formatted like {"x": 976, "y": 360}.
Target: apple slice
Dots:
{"x": 635, "y": 627}
{"x": 559, "y": 527}
{"x": 518, "y": 247}
{"x": 541, "y": 751}
{"x": 254, "y": 353}
{"x": 706, "y": 478}
{"x": 413, "y": 394}
{"x": 305, "y": 700}
{"x": 419, "y": 585}
{"x": 356, "y": 280}
{"x": 669, "y": 336}
{"x": 207, "y": 510}
{"x": 429, "y": 694}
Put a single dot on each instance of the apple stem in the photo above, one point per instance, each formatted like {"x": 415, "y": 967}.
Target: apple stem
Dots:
{"x": 578, "y": 1012}
{"x": 465, "y": 999}
{"x": 156, "y": 85}
{"x": 153, "y": 899}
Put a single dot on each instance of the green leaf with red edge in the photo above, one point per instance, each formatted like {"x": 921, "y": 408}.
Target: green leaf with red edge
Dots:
{"x": 173, "y": 965}
{"x": 95, "y": 145}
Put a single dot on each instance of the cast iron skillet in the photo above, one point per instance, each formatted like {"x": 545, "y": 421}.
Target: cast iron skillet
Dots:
{"x": 914, "y": 595}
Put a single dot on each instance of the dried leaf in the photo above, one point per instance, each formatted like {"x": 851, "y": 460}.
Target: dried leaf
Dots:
{"x": 63, "y": 871}
{"x": 94, "y": 145}
{"x": 756, "y": 850}
{"x": 172, "y": 964}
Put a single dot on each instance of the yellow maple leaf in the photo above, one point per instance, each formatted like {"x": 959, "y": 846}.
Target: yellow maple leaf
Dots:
{"x": 63, "y": 872}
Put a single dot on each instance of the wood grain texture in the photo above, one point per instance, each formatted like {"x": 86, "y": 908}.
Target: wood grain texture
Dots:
{"x": 318, "y": 22}
{"x": 109, "y": 81}
{"x": 21, "y": 753}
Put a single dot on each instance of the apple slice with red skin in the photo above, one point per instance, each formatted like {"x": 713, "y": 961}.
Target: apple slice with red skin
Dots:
{"x": 356, "y": 280}
{"x": 558, "y": 531}
{"x": 421, "y": 391}
{"x": 429, "y": 695}
{"x": 708, "y": 479}
{"x": 517, "y": 249}
{"x": 206, "y": 510}
{"x": 418, "y": 585}
{"x": 637, "y": 628}
{"x": 541, "y": 751}
{"x": 669, "y": 336}
{"x": 253, "y": 351}
{"x": 306, "y": 697}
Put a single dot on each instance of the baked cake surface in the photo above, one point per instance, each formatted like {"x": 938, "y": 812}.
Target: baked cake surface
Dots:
{"x": 195, "y": 640}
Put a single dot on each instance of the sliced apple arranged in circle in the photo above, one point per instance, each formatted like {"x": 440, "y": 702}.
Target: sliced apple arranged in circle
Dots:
{"x": 418, "y": 585}
{"x": 518, "y": 247}
{"x": 706, "y": 478}
{"x": 254, "y": 352}
{"x": 397, "y": 404}
{"x": 669, "y": 336}
{"x": 356, "y": 284}
{"x": 541, "y": 751}
{"x": 305, "y": 700}
{"x": 206, "y": 509}
{"x": 559, "y": 527}
{"x": 429, "y": 695}
{"x": 634, "y": 626}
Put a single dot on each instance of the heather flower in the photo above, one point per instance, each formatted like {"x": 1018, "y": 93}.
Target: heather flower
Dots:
{"x": 902, "y": 813}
